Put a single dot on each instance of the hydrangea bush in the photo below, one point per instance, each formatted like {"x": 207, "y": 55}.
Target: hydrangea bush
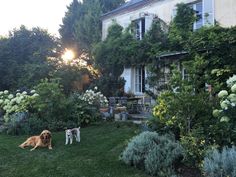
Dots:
{"x": 14, "y": 103}
{"x": 227, "y": 101}
{"x": 92, "y": 97}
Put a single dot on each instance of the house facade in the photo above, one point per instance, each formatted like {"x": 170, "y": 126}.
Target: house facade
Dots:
{"x": 142, "y": 13}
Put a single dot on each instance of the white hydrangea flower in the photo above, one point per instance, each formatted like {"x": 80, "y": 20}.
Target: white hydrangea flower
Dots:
{"x": 35, "y": 95}
{"x": 232, "y": 97}
{"x": 1, "y": 101}
{"x": 6, "y": 92}
{"x": 18, "y": 100}
{"x": 222, "y": 93}
{"x": 10, "y": 96}
{"x": 1, "y": 92}
{"x": 224, "y": 119}
{"x": 231, "y": 81}
{"x": 6, "y": 101}
{"x": 216, "y": 113}
{"x": 24, "y": 93}
{"x": 233, "y": 88}
{"x": 32, "y": 91}
{"x": 224, "y": 104}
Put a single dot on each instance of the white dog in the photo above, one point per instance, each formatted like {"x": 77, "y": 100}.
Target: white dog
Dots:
{"x": 70, "y": 133}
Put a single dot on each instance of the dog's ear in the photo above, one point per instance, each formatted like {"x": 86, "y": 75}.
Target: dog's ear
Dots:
{"x": 78, "y": 127}
{"x": 41, "y": 136}
{"x": 49, "y": 135}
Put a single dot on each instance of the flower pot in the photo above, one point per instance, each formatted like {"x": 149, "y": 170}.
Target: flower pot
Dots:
{"x": 104, "y": 109}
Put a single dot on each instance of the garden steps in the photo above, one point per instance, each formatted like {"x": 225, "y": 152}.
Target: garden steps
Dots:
{"x": 136, "y": 118}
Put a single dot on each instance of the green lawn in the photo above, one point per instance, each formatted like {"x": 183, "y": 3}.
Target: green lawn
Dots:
{"x": 96, "y": 155}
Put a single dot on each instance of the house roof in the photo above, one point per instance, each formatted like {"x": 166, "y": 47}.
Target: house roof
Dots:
{"x": 127, "y": 6}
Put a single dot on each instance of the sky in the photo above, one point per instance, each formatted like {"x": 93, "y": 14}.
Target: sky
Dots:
{"x": 46, "y": 14}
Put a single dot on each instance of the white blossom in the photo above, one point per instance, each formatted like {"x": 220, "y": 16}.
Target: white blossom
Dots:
{"x": 222, "y": 93}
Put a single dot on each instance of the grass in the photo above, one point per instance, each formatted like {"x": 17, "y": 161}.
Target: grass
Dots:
{"x": 96, "y": 156}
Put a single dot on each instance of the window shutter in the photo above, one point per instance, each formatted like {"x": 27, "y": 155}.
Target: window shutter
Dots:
{"x": 142, "y": 27}
{"x": 127, "y": 76}
{"x": 208, "y": 12}
{"x": 148, "y": 22}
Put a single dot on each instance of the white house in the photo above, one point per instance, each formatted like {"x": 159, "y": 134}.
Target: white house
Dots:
{"x": 142, "y": 12}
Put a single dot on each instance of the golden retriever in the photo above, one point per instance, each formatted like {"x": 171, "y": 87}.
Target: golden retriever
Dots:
{"x": 43, "y": 140}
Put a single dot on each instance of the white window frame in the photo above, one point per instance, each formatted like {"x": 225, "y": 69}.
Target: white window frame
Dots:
{"x": 138, "y": 80}
{"x": 194, "y": 5}
{"x": 138, "y": 31}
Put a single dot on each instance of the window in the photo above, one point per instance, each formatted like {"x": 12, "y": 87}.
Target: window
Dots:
{"x": 198, "y": 8}
{"x": 205, "y": 13}
{"x": 139, "y": 28}
{"x": 139, "y": 79}
{"x": 185, "y": 75}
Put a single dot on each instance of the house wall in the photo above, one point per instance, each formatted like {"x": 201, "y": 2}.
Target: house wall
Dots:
{"x": 161, "y": 8}
{"x": 224, "y": 13}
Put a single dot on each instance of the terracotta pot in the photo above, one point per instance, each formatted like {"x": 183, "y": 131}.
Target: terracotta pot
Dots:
{"x": 104, "y": 109}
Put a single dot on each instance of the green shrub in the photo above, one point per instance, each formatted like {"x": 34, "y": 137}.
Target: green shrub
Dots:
{"x": 51, "y": 104}
{"x": 153, "y": 153}
{"x": 195, "y": 147}
{"x": 220, "y": 164}
{"x": 81, "y": 111}
{"x": 23, "y": 123}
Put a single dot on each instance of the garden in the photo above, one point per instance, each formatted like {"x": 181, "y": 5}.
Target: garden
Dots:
{"x": 191, "y": 131}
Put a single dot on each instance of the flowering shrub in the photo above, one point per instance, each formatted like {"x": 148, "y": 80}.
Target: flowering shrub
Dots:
{"x": 94, "y": 98}
{"x": 14, "y": 103}
{"x": 227, "y": 102}
{"x": 81, "y": 111}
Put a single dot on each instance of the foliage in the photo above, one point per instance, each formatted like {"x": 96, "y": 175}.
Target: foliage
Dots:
{"x": 16, "y": 103}
{"x": 220, "y": 164}
{"x": 216, "y": 45}
{"x": 67, "y": 29}
{"x": 22, "y": 123}
{"x": 23, "y": 57}
{"x": 181, "y": 27}
{"x": 73, "y": 77}
{"x": 81, "y": 27}
{"x": 156, "y": 154}
{"x": 51, "y": 104}
{"x": 176, "y": 112}
{"x": 226, "y": 113}
{"x": 196, "y": 147}
{"x": 108, "y": 58}
{"x": 81, "y": 111}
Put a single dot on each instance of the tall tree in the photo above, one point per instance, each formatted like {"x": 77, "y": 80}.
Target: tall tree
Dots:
{"x": 67, "y": 29}
{"x": 82, "y": 23}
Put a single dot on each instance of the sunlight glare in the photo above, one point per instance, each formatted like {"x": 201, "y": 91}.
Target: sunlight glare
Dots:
{"x": 68, "y": 55}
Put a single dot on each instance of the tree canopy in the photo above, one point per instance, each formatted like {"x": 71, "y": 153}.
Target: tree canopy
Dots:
{"x": 23, "y": 57}
{"x": 81, "y": 27}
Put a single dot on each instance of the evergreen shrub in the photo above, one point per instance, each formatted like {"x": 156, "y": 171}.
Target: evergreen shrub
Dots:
{"x": 154, "y": 153}
{"x": 220, "y": 164}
